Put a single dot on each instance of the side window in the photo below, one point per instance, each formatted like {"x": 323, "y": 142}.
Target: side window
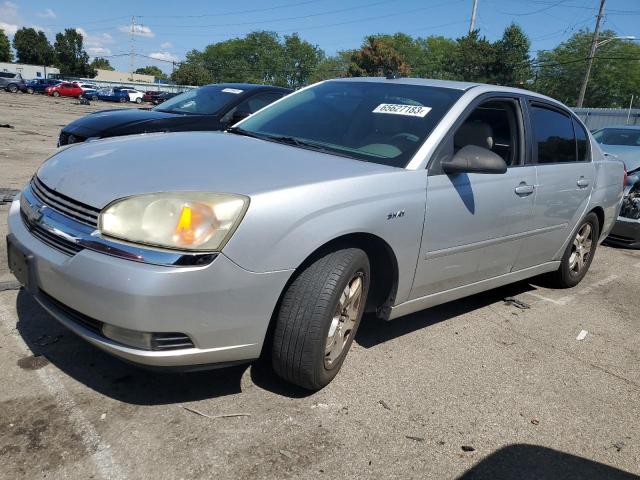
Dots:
{"x": 553, "y": 136}
{"x": 255, "y": 103}
{"x": 494, "y": 125}
{"x": 581, "y": 142}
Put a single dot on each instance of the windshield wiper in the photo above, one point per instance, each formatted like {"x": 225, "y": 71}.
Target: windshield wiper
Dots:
{"x": 245, "y": 133}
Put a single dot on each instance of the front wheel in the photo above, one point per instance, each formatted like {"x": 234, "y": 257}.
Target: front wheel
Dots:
{"x": 30, "y": 90}
{"x": 138, "y": 100}
{"x": 122, "y": 99}
{"x": 56, "y": 94}
{"x": 318, "y": 318}
{"x": 579, "y": 254}
{"x": 13, "y": 88}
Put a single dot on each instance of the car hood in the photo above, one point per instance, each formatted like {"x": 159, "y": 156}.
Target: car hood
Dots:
{"x": 97, "y": 173}
{"x": 628, "y": 154}
{"x": 108, "y": 119}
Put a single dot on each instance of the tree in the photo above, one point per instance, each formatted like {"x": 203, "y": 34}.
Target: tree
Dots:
{"x": 615, "y": 74}
{"x": 377, "y": 56}
{"x": 32, "y": 47}
{"x": 191, "y": 72}
{"x": 332, "y": 67}
{"x": 513, "y": 64}
{"x": 300, "y": 60}
{"x": 152, "y": 70}
{"x": 100, "y": 63}
{"x": 5, "y": 48}
{"x": 71, "y": 58}
{"x": 474, "y": 59}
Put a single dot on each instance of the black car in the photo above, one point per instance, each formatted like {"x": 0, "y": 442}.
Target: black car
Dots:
{"x": 163, "y": 97}
{"x": 212, "y": 107}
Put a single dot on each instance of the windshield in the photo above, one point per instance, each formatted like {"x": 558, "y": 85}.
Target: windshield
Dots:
{"x": 618, "y": 136}
{"x": 380, "y": 122}
{"x": 200, "y": 101}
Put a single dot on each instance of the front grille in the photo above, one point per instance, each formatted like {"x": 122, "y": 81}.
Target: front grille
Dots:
{"x": 65, "y": 205}
{"x": 170, "y": 341}
{"x": 68, "y": 139}
{"x": 89, "y": 323}
{"x": 54, "y": 241}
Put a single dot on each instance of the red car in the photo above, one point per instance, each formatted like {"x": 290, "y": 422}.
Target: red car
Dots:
{"x": 65, "y": 89}
{"x": 151, "y": 95}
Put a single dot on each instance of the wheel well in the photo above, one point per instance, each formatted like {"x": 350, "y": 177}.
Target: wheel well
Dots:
{"x": 600, "y": 214}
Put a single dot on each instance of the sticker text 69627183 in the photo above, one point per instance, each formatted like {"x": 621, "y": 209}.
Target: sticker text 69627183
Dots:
{"x": 408, "y": 110}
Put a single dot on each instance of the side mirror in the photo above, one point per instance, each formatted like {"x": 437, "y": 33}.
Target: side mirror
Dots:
{"x": 474, "y": 159}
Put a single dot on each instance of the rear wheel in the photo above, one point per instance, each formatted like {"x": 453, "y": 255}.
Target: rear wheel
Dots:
{"x": 30, "y": 90}
{"x": 122, "y": 99}
{"x": 138, "y": 100}
{"x": 56, "y": 93}
{"x": 318, "y": 318}
{"x": 579, "y": 254}
{"x": 12, "y": 87}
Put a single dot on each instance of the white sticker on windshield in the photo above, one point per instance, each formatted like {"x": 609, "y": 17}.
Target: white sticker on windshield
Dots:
{"x": 408, "y": 110}
{"x": 232, "y": 90}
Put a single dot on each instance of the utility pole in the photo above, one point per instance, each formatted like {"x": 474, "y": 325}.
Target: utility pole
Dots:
{"x": 592, "y": 53}
{"x": 132, "y": 53}
{"x": 472, "y": 25}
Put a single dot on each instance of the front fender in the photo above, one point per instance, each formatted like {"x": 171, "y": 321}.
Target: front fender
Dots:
{"x": 282, "y": 228}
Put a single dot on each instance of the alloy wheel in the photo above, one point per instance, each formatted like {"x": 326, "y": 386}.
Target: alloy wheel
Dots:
{"x": 344, "y": 320}
{"x": 581, "y": 248}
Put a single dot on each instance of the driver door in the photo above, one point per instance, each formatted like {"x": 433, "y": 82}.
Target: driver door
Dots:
{"x": 474, "y": 222}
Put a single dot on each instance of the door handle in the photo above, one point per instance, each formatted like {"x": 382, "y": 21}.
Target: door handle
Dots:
{"x": 582, "y": 182}
{"x": 524, "y": 189}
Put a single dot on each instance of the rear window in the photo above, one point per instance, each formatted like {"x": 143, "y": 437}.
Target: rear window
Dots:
{"x": 380, "y": 122}
{"x": 618, "y": 136}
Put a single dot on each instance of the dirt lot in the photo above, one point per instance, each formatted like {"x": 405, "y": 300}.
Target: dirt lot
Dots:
{"x": 472, "y": 389}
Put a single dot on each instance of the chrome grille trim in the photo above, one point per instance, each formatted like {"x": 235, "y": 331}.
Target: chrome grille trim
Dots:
{"x": 65, "y": 205}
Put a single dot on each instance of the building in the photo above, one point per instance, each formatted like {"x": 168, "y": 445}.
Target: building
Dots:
{"x": 120, "y": 77}
{"x": 30, "y": 71}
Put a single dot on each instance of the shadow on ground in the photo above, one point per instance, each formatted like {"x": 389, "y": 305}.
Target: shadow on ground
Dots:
{"x": 373, "y": 331}
{"x": 529, "y": 462}
{"x": 126, "y": 382}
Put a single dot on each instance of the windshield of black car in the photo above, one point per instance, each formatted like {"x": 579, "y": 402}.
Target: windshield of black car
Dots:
{"x": 618, "y": 136}
{"x": 200, "y": 101}
{"x": 381, "y": 122}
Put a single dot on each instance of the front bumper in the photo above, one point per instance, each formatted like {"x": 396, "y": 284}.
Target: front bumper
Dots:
{"x": 625, "y": 233}
{"x": 224, "y": 309}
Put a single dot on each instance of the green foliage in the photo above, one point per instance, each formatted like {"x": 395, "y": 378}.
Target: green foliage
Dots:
{"x": 101, "y": 64}
{"x": 6, "y": 55}
{"x": 615, "y": 74}
{"x": 377, "y": 57}
{"x": 513, "y": 64}
{"x": 300, "y": 60}
{"x": 32, "y": 47}
{"x": 332, "y": 67}
{"x": 153, "y": 70}
{"x": 71, "y": 58}
{"x": 192, "y": 72}
{"x": 474, "y": 59}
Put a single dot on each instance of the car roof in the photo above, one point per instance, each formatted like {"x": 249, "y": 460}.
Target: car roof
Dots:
{"x": 451, "y": 84}
{"x": 248, "y": 86}
{"x": 621, "y": 127}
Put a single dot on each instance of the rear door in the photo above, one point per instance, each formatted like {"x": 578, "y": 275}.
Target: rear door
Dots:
{"x": 474, "y": 223}
{"x": 565, "y": 173}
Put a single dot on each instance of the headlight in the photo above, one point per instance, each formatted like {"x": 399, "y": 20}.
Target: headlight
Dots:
{"x": 184, "y": 221}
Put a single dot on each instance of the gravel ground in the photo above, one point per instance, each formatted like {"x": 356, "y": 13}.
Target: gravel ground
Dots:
{"x": 474, "y": 389}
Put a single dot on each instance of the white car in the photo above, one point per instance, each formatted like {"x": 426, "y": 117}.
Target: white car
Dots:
{"x": 87, "y": 86}
{"x": 134, "y": 95}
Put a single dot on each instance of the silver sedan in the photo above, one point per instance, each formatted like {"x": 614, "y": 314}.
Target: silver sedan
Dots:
{"x": 357, "y": 195}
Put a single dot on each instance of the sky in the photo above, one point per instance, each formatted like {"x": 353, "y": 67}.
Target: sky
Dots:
{"x": 166, "y": 31}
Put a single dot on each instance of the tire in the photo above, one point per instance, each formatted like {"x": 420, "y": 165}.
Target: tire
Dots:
{"x": 307, "y": 314}
{"x": 94, "y": 98}
{"x": 56, "y": 93}
{"x": 12, "y": 87}
{"x": 122, "y": 99}
{"x": 138, "y": 100}
{"x": 573, "y": 268}
{"x": 30, "y": 90}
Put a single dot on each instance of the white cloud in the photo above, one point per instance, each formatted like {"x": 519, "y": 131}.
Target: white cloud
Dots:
{"x": 139, "y": 30}
{"x": 166, "y": 46}
{"x": 164, "y": 56}
{"x": 48, "y": 13}
{"x": 10, "y": 18}
{"x": 98, "y": 40}
{"x": 98, "y": 52}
